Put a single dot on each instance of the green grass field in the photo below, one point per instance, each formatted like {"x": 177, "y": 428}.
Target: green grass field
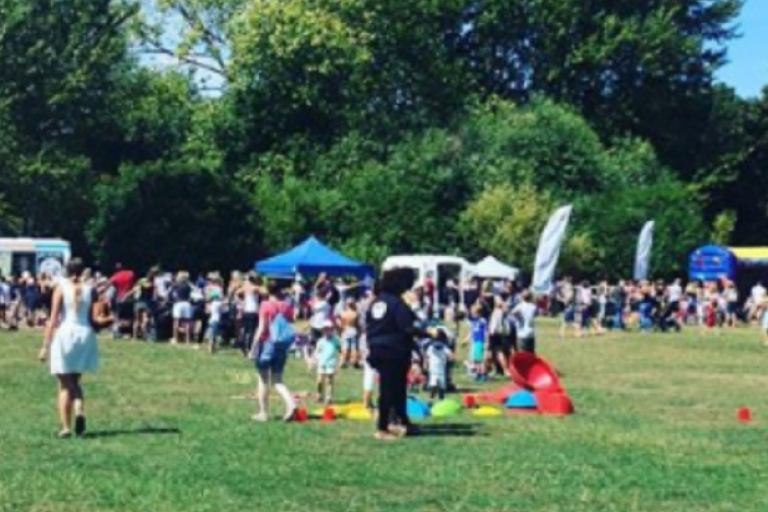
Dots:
{"x": 655, "y": 429}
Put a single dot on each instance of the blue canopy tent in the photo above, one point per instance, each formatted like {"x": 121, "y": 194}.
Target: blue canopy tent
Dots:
{"x": 312, "y": 257}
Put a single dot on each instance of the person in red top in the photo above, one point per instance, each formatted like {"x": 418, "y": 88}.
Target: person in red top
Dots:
{"x": 271, "y": 370}
{"x": 123, "y": 281}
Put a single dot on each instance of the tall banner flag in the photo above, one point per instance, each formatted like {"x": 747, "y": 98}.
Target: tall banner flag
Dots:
{"x": 549, "y": 249}
{"x": 643, "y": 255}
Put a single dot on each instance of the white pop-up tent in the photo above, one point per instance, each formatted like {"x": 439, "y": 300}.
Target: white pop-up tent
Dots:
{"x": 491, "y": 268}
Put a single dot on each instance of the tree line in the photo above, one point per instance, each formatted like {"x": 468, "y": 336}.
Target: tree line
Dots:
{"x": 208, "y": 133}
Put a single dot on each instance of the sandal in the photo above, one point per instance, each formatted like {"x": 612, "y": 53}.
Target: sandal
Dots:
{"x": 261, "y": 418}
{"x": 64, "y": 434}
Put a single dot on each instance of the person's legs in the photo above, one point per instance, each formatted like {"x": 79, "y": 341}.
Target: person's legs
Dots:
{"x": 441, "y": 385}
{"x": 137, "y": 324}
{"x": 355, "y": 348}
{"x": 262, "y": 394}
{"x": 148, "y": 313}
{"x": 502, "y": 358}
{"x": 249, "y": 329}
{"x": 78, "y": 403}
{"x": 329, "y": 389}
{"x": 387, "y": 393}
{"x": 213, "y": 334}
{"x": 78, "y": 397}
{"x": 400, "y": 392}
{"x": 13, "y": 316}
{"x": 369, "y": 383}
{"x": 285, "y": 394}
{"x": 345, "y": 352}
{"x": 176, "y": 325}
{"x": 65, "y": 403}
{"x": 320, "y": 383}
{"x": 203, "y": 328}
{"x": 188, "y": 327}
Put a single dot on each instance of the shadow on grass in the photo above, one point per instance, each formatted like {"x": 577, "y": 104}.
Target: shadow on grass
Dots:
{"x": 451, "y": 430}
{"x": 143, "y": 431}
{"x": 464, "y": 390}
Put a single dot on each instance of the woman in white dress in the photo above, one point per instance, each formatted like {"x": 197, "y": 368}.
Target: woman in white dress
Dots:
{"x": 71, "y": 343}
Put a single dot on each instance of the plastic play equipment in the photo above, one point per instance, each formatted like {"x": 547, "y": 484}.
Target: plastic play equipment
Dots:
{"x": 557, "y": 404}
{"x": 329, "y": 415}
{"x": 361, "y": 414}
{"x": 523, "y": 399}
{"x": 535, "y": 389}
{"x": 533, "y": 372}
{"x": 487, "y": 411}
{"x": 445, "y": 409}
{"x": 417, "y": 409}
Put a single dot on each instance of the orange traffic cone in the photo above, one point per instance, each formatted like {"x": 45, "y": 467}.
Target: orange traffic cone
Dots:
{"x": 329, "y": 415}
{"x": 744, "y": 415}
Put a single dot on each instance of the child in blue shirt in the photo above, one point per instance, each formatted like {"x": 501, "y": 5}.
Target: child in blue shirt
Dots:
{"x": 478, "y": 336}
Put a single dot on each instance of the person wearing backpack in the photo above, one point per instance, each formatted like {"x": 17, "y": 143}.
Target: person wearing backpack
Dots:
{"x": 269, "y": 351}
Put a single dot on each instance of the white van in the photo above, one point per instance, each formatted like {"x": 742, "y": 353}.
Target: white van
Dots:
{"x": 435, "y": 267}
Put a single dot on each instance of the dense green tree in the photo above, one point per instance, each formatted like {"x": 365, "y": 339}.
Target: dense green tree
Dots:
{"x": 177, "y": 214}
{"x": 629, "y": 66}
{"x": 60, "y": 60}
{"x": 739, "y": 177}
{"x": 616, "y": 217}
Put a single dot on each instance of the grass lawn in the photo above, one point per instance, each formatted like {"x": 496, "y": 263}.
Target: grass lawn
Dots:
{"x": 655, "y": 429}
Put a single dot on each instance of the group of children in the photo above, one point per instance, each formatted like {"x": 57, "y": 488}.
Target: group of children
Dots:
{"x": 497, "y": 327}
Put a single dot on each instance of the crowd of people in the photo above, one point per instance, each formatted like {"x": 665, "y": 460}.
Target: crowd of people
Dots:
{"x": 336, "y": 324}
{"x": 649, "y": 306}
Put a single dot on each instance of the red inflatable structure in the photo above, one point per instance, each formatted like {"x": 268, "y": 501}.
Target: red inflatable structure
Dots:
{"x": 534, "y": 374}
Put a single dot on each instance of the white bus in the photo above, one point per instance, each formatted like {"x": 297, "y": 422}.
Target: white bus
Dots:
{"x": 34, "y": 255}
